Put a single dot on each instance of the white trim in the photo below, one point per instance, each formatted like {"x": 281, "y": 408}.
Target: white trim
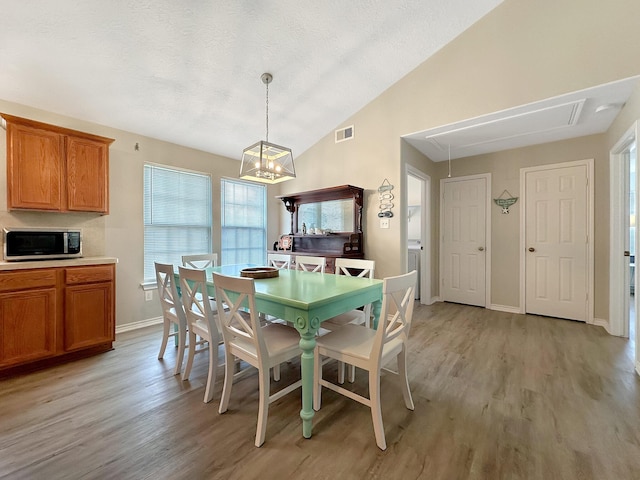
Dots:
{"x": 504, "y": 308}
{"x": 601, "y": 322}
{"x": 435, "y": 299}
{"x": 590, "y": 229}
{"x": 425, "y": 234}
{"x": 617, "y": 267}
{"x": 487, "y": 247}
{"x": 127, "y": 327}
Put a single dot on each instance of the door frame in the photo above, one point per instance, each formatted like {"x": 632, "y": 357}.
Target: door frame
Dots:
{"x": 426, "y": 298}
{"x": 618, "y": 319}
{"x": 590, "y": 229}
{"x": 487, "y": 248}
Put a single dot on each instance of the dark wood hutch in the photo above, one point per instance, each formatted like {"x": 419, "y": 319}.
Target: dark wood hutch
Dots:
{"x": 348, "y": 242}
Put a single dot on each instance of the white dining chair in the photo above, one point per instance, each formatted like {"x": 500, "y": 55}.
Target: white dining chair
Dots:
{"x": 172, "y": 313}
{"x": 279, "y": 260}
{"x": 263, "y": 347}
{"x": 372, "y": 349}
{"x": 310, "y": 264}
{"x": 202, "y": 322}
{"x": 202, "y": 260}
{"x": 352, "y": 267}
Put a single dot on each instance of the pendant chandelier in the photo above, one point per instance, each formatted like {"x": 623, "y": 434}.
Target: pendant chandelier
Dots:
{"x": 266, "y": 162}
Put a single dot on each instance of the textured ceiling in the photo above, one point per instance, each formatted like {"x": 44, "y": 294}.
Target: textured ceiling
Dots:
{"x": 189, "y": 71}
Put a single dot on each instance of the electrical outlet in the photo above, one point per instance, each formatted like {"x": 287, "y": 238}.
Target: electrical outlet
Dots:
{"x": 384, "y": 223}
{"x": 148, "y": 295}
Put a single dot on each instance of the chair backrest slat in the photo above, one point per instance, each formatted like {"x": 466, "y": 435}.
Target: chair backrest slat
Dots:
{"x": 167, "y": 290}
{"x": 355, "y": 267}
{"x": 196, "y": 301}
{"x": 279, "y": 260}
{"x": 397, "y": 310}
{"x": 237, "y": 294}
{"x": 310, "y": 264}
{"x": 202, "y": 260}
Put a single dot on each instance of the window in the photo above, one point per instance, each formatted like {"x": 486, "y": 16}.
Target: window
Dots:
{"x": 177, "y": 216}
{"x": 244, "y": 235}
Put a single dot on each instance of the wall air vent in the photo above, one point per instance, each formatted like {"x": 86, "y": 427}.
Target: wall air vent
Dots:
{"x": 343, "y": 134}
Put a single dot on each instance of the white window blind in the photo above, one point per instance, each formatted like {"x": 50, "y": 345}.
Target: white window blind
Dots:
{"x": 177, "y": 216}
{"x": 244, "y": 234}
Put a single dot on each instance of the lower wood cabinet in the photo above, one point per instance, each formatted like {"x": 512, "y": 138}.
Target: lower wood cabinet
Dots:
{"x": 49, "y": 313}
{"x": 88, "y": 313}
{"x": 28, "y": 326}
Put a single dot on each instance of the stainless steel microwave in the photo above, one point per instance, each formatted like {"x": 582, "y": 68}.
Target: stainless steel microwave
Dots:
{"x": 41, "y": 243}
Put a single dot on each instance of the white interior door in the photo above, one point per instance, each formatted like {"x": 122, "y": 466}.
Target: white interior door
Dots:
{"x": 464, "y": 240}
{"x": 556, "y": 240}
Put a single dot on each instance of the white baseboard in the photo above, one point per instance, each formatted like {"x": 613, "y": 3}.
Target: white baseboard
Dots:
{"x": 601, "y": 322}
{"x": 431, "y": 301}
{"x": 136, "y": 325}
{"x": 504, "y": 308}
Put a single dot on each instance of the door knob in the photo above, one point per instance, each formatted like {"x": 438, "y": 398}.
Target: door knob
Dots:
{"x": 481, "y": 249}
{"x": 627, "y": 253}
{"x": 531, "y": 249}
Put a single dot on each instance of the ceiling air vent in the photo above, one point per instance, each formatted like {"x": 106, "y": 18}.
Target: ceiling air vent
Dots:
{"x": 343, "y": 134}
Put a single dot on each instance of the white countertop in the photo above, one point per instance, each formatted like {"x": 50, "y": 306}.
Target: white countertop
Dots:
{"x": 66, "y": 262}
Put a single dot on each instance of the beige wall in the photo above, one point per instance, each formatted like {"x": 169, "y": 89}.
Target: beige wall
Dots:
{"x": 121, "y": 233}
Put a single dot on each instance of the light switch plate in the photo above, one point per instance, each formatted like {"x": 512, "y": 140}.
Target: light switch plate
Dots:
{"x": 384, "y": 223}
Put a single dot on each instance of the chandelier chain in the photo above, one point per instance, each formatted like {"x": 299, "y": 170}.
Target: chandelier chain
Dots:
{"x": 267, "y": 119}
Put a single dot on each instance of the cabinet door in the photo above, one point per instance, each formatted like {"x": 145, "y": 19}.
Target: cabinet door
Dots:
{"x": 89, "y": 315}
{"x": 34, "y": 168}
{"x": 27, "y": 326}
{"x": 87, "y": 175}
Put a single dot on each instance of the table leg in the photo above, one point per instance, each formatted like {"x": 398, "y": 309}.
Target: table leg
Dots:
{"x": 307, "y": 330}
{"x": 376, "y": 307}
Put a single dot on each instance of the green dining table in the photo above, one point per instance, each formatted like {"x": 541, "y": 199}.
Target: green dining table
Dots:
{"x": 306, "y": 299}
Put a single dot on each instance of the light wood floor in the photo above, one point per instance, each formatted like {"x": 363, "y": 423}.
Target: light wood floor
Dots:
{"x": 497, "y": 396}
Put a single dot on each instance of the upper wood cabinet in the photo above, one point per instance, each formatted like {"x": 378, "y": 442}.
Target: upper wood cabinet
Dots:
{"x": 50, "y": 168}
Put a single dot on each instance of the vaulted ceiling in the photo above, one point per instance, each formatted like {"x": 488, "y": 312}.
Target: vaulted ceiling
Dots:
{"x": 188, "y": 72}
